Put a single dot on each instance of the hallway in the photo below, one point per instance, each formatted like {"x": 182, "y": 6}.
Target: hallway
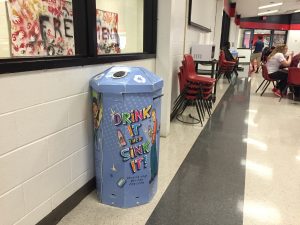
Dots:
{"x": 243, "y": 168}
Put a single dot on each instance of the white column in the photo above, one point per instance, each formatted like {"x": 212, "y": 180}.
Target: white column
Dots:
{"x": 218, "y": 26}
{"x": 163, "y": 60}
{"x": 293, "y": 41}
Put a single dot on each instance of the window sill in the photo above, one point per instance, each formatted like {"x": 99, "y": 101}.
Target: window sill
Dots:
{"x": 31, "y": 64}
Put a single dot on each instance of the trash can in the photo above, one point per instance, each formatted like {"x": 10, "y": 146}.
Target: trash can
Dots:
{"x": 126, "y": 104}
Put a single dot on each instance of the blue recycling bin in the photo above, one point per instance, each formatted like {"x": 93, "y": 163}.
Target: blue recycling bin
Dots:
{"x": 126, "y": 113}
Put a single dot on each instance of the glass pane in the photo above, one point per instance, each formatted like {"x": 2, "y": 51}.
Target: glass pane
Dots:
{"x": 246, "y": 39}
{"x": 119, "y": 26}
{"x": 36, "y": 28}
{"x": 279, "y": 37}
{"x": 265, "y": 34}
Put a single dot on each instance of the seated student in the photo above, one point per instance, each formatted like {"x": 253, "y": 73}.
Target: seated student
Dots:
{"x": 275, "y": 60}
{"x": 296, "y": 63}
{"x": 229, "y": 57}
{"x": 265, "y": 53}
{"x": 295, "y": 60}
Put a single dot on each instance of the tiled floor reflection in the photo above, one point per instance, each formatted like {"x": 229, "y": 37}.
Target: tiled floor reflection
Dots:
{"x": 173, "y": 151}
{"x": 272, "y": 164}
{"x": 272, "y": 190}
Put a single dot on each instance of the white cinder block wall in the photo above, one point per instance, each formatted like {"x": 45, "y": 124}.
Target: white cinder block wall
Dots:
{"x": 174, "y": 39}
{"x": 178, "y": 26}
{"x": 233, "y": 33}
{"x": 293, "y": 41}
{"x": 184, "y": 36}
{"x": 46, "y": 151}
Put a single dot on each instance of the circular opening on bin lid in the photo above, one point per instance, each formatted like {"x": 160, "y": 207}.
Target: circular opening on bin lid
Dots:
{"x": 119, "y": 74}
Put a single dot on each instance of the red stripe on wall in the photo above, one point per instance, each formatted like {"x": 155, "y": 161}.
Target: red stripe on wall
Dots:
{"x": 227, "y": 7}
{"x": 232, "y": 11}
{"x": 237, "y": 19}
{"x": 271, "y": 26}
{"x": 294, "y": 26}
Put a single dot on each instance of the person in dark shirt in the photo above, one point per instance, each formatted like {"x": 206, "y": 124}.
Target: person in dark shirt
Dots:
{"x": 256, "y": 55}
{"x": 229, "y": 57}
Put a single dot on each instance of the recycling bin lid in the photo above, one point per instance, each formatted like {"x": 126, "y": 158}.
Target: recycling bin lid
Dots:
{"x": 124, "y": 79}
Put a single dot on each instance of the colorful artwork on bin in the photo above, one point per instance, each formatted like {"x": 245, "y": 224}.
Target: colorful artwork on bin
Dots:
{"x": 108, "y": 41}
{"x": 41, "y": 27}
{"x": 97, "y": 109}
{"x": 127, "y": 139}
{"x": 137, "y": 151}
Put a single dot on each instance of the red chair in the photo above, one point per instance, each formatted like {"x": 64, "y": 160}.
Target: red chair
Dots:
{"x": 268, "y": 80}
{"x": 206, "y": 83}
{"x": 194, "y": 90}
{"x": 225, "y": 67}
{"x": 293, "y": 78}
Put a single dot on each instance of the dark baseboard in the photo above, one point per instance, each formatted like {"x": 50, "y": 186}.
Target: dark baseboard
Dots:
{"x": 70, "y": 203}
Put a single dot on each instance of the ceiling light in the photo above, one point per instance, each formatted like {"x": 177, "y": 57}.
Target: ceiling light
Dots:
{"x": 297, "y": 10}
{"x": 269, "y": 6}
{"x": 268, "y": 12}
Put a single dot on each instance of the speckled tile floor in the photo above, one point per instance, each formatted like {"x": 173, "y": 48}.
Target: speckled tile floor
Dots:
{"x": 173, "y": 151}
{"x": 250, "y": 175}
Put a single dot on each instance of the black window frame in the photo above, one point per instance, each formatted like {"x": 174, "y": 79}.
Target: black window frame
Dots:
{"x": 272, "y": 31}
{"x": 84, "y": 16}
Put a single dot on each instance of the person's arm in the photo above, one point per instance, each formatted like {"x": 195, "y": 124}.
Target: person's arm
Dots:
{"x": 285, "y": 62}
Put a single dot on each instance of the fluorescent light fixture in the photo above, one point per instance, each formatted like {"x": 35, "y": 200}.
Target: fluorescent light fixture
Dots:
{"x": 268, "y": 12}
{"x": 297, "y": 10}
{"x": 269, "y": 6}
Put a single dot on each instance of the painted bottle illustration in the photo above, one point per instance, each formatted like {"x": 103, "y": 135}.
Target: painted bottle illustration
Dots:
{"x": 121, "y": 138}
{"x": 153, "y": 153}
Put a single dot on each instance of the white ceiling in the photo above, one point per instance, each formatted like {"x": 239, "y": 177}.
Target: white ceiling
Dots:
{"x": 249, "y": 8}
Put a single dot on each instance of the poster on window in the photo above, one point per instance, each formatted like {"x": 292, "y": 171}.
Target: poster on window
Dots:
{"x": 108, "y": 41}
{"x": 41, "y": 27}
{"x": 278, "y": 39}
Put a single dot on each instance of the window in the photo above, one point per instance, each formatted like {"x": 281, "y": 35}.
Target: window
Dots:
{"x": 37, "y": 28}
{"x": 270, "y": 37}
{"x": 4, "y": 35}
{"x": 265, "y": 34}
{"x": 119, "y": 26}
{"x": 279, "y": 37}
{"x": 245, "y": 38}
{"x": 44, "y": 34}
